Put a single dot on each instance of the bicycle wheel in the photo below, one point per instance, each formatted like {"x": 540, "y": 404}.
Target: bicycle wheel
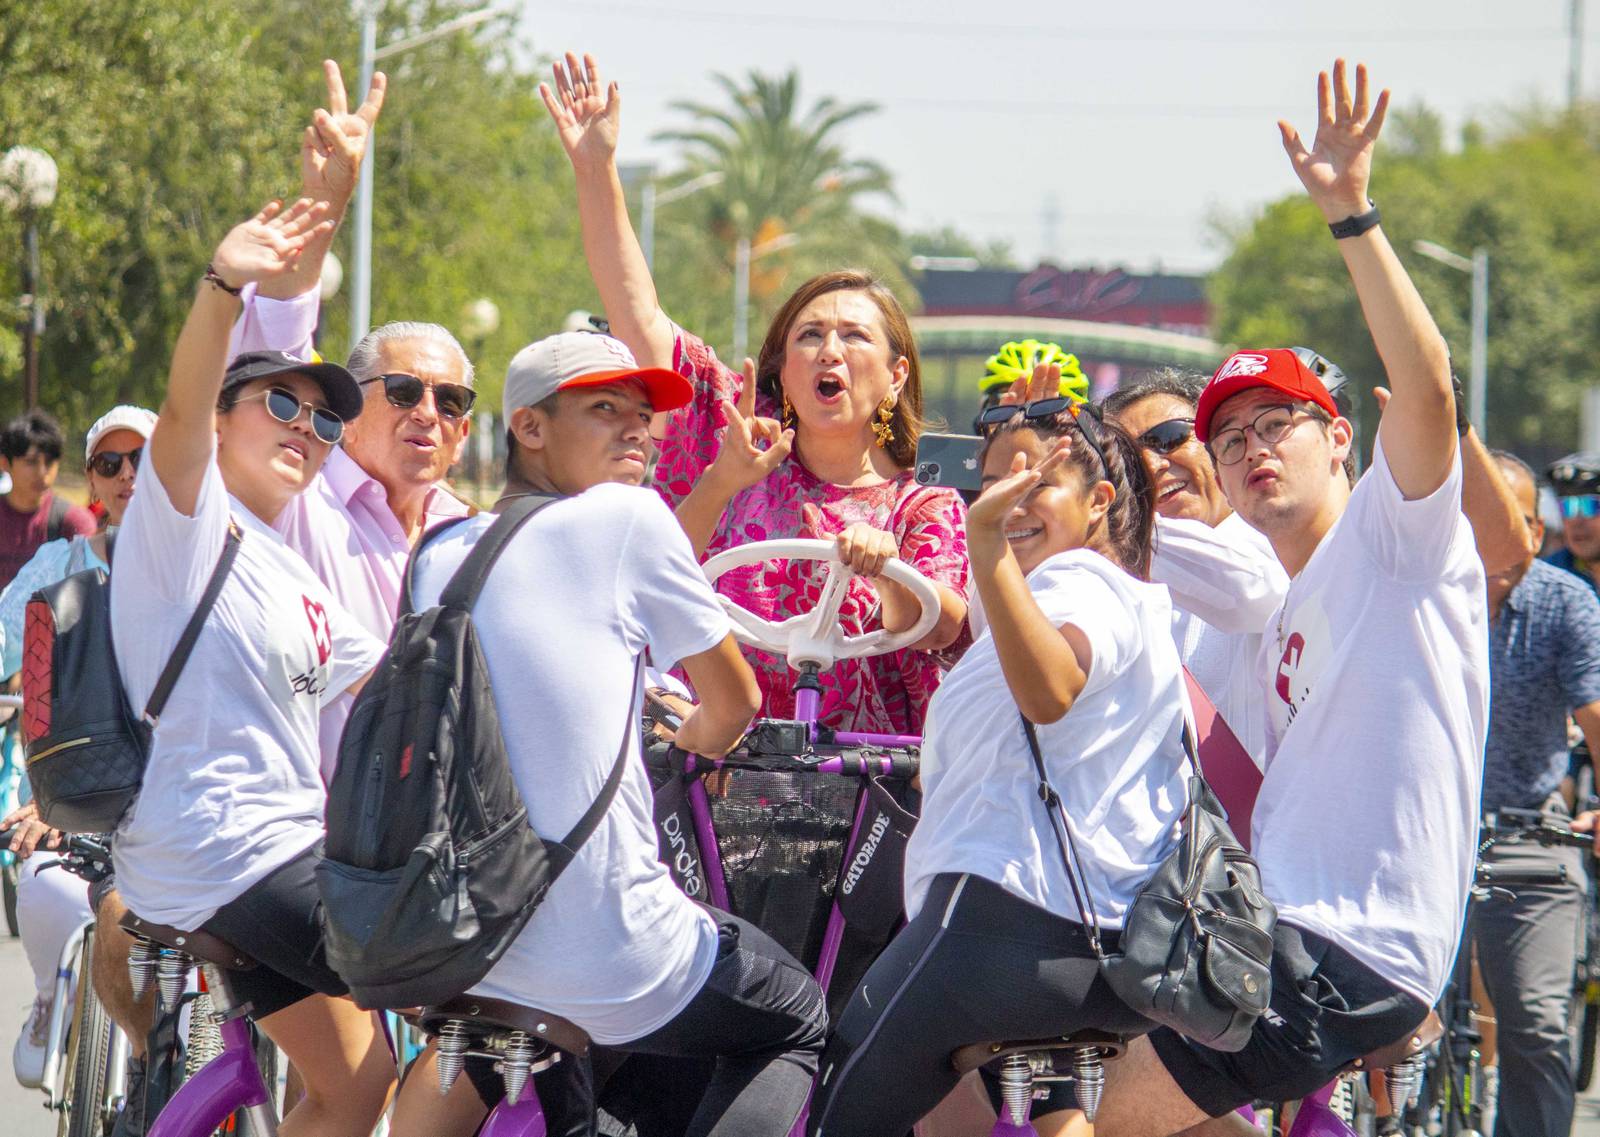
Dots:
{"x": 84, "y": 1097}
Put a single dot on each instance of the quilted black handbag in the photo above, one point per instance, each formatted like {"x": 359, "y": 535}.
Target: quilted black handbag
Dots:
{"x": 86, "y": 750}
{"x": 1196, "y": 943}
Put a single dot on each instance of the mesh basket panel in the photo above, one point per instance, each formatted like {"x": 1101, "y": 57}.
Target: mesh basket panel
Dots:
{"x": 782, "y": 837}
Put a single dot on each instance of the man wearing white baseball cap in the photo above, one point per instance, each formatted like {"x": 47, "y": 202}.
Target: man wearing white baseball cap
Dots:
{"x": 596, "y": 578}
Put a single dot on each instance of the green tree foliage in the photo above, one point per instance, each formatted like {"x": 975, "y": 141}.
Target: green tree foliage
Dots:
{"x": 785, "y": 172}
{"x": 172, "y": 119}
{"x": 1529, "y": 193}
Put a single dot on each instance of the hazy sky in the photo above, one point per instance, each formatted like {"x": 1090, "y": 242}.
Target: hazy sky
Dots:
{"x": 1131, "y": 123}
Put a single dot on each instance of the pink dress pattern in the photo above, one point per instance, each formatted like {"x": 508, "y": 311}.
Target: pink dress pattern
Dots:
{"x": 883, "y": 694}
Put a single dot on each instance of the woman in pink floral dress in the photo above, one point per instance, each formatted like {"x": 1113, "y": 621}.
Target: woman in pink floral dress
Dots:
{"x": 816, "y": 439}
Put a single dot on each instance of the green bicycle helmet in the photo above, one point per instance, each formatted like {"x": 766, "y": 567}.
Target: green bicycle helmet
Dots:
{"x": 1017, "y": 359}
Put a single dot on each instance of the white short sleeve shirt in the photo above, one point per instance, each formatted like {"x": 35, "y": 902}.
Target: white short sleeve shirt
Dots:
{"x": 1377, "y": 696}
{"x": 581, "y": 590}
{"x": 1116, "y": 757}
{"x": 233, "y": 789}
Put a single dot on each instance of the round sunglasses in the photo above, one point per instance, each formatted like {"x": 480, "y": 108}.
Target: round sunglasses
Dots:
{"x": 1165, "y": 437}
{"x": 405, "y": 391}
{"x": 108, "y": 463}
{"x": 286, "y": 407}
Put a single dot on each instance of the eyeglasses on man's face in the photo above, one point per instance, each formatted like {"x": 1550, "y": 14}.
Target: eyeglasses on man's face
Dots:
{"x": 1271, "y": 426}
{"x": 405, "y": 391}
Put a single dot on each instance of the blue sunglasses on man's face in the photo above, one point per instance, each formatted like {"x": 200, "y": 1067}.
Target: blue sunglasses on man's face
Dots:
{"x": 1580, "y": 505}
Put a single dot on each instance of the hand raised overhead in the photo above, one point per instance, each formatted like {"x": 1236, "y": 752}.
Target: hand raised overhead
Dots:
{"x": 337, "y": 139}
{"x": 1044, "y": 383}
{"x": 270, "y": 243}
{"x": 1337, "y": 168}
{"x": 587, "y": 114}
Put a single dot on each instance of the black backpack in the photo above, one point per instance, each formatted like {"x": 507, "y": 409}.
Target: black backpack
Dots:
{"x": 87, "y": 751}
{"x": 431, "y": 868}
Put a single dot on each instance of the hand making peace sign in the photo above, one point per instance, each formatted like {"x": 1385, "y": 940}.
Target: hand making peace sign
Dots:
{"x": 742, "y": 462}
{"x": 1337, "y": 168}
{"x": 588, "y": 116}
{"x": 335, "y": 142}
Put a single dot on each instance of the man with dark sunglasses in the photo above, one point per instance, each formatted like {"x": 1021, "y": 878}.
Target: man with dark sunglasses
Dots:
{"x": 1202, "y": 549}
{"x": 1576, "y": 480}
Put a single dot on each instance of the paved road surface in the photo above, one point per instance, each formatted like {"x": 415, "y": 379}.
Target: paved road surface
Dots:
{"x": 22, "y": 1113}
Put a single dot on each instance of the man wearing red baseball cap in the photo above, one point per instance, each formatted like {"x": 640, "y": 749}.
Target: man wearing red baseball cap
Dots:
{"x": 1376, "y": 682}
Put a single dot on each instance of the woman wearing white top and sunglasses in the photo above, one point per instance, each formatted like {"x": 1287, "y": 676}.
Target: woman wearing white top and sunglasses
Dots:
{"x": 227, "y": 829}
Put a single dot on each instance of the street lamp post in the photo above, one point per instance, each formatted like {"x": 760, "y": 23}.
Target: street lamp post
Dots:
{"x": 361, "y": 242}
{"x": 743, "y": 254}
{"x": 28, "y": 184}
{"x": 480, "y": 319}
{"x": 1477, "y": 267}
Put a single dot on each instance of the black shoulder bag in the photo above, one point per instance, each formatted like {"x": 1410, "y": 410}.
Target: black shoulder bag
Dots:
{"x": 1196, "y": 943}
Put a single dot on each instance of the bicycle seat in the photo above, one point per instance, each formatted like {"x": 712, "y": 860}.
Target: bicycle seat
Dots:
{"x": 203, "y": 946}
{"x": 1429, "y": 1031}
{"x": 498, "y": 1015}
{"x": 969, "y": 1058}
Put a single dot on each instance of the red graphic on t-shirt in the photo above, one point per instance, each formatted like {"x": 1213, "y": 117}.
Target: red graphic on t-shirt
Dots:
{"x": 1286, "y": 666}
{"x": 320, "y": 629}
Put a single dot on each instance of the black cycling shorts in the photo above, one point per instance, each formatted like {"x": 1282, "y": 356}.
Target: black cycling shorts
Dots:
{"x": 278, "y": 923}
{"x": 1327, "y": 1010}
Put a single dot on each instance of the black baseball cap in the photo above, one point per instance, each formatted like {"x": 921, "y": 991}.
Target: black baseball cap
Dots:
{"x": 338, "y": 385}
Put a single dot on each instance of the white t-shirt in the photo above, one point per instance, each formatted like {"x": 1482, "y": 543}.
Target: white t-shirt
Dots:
{"x": 1116, "y": 758}
{"x": 1226, "y": 584}
{"x": 581, "y": 590}
{"x": 233, "y": 789}
{"x": 1378, "y": 701}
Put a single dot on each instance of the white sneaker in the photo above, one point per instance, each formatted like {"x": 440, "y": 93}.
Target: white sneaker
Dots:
{"x": 27, "y": 1056}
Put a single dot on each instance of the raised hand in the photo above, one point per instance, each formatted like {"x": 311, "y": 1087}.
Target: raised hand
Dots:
{"x": 588, "y": 115}
{"x": 270, "y": 243}
{"x": 742, "y": 462}
{"x": 335, "y": 142}
{"x": 1337, "y": 168}
{"x": 1044, "y": 383}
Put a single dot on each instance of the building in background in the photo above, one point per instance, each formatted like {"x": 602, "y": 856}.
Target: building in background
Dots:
{"x": 1117, "y": 323}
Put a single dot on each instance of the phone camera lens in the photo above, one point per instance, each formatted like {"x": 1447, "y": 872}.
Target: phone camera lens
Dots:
{"x": 927, "y": 473}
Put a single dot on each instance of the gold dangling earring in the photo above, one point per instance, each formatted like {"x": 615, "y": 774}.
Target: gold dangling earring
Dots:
{"x": 883, "y": 429}
{"x": 788, "y": 413}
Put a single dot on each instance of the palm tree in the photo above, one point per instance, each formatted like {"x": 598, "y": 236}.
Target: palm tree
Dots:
{"x": 784, "y": 171}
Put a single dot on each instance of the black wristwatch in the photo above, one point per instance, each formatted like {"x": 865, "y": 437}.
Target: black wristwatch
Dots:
{"x": 1356, "y": 224}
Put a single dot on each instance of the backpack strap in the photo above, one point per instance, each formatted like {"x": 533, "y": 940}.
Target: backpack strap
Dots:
{"x": 406, "y": 606}
{"x": 56, "y": 518}
{"x": 1064, "y": 841}
{"x": 191, "y": 631}
{"x": 468, "y": 581}
{"x": 561, "y": 855}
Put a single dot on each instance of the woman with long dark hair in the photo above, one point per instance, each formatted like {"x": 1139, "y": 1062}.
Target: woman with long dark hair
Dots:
{"x": 1078, "y": 644}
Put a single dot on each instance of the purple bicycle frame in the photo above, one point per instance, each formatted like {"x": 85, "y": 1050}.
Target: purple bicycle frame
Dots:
{"x": 526, "y": 1118}
{"x": 229, "y": 1082}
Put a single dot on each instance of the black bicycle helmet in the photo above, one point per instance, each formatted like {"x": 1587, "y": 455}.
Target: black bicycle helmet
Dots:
{"x": 1336, "y": 381}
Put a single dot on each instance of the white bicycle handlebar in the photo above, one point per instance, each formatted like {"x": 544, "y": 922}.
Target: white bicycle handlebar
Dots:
{"x": 815, "y": 636}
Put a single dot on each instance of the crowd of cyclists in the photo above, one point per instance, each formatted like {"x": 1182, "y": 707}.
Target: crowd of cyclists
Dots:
{"x": 1349, "y": 630}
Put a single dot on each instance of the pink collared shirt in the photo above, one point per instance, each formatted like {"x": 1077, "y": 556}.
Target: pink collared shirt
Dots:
{"x": 343, "y": 526}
